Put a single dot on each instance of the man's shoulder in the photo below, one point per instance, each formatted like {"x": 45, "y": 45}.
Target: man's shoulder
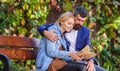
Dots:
{"x": 85, "y": 28}
{"x": 52, "y": 23}
{"x": 49, "y": 24}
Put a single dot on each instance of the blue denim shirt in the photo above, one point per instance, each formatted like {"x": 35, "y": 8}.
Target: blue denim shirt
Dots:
{"x": 49, "y": 50}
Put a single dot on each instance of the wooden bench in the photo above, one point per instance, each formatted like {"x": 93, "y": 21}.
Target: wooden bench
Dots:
{"x": 18, "y": 48}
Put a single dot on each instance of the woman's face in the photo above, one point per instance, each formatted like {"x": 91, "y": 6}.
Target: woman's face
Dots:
{"x": 67, "y": 25}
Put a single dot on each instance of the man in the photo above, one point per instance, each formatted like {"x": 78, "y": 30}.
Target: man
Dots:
{"x": 77, "y": 39}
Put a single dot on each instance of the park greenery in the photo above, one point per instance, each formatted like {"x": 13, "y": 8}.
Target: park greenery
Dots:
{"x": 22, "y": 17}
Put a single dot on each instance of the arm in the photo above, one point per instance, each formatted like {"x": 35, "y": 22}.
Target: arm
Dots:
{"x": 43, "y": 27}
{"x": 52, "y": 51}
{"x": 48, "y": 34}
{"x": 87, "y": 42}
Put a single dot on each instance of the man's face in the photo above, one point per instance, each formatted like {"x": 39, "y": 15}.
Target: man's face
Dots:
{"x": 79, "y": 22}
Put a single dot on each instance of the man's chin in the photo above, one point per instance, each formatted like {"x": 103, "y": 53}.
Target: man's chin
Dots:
{"x": 76, "y": 27}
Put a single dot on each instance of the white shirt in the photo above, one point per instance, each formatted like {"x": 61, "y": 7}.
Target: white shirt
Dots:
{"x": 71, "y": 37}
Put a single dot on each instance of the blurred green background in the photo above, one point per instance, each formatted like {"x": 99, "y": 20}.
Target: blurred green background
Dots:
{"x": 22, "y": 17}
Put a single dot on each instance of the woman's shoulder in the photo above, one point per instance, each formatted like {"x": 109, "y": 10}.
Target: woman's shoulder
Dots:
{"x": 56, "y": 28}
{"x": 53, "y": 27}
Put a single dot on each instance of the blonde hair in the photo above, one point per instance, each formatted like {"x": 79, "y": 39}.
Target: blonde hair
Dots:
{"x": 64, "y": 17}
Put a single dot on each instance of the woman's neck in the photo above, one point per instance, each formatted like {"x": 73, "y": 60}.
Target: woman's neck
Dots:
{"x": 62, "y": 31}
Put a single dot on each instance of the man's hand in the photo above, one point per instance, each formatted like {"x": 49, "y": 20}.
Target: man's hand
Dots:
{"x": 51, "y": 35}
{"x": 90, "y": 65}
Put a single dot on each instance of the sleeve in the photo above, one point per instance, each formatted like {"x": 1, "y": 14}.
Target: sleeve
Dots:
{"x": 52, "y": 51}
{"x": 43, "y": 27}
{"x": 88, "y": 42}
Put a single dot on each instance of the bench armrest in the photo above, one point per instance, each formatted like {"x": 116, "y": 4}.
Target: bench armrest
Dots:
{"x": 6, "y": 62}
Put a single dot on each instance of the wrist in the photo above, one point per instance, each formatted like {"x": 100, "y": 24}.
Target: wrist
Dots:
{"x": 45, "y": 32}
{"x": 91, "y": 60}
{"x": 70, "y": 54}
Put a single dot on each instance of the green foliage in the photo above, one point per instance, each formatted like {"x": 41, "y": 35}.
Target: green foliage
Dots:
{"x": 1, "y": 65}
{"x": 22, "y": 65}
{"x": 27, "y": 14}
{"x": 106, "y": 40}
{"x": 23, "y": 16}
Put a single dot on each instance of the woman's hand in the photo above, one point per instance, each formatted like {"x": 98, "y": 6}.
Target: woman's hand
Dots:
{"x": 75, "y": 56}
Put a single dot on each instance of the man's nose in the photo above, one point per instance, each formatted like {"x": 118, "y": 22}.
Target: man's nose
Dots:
{"x": 77, "y": 23}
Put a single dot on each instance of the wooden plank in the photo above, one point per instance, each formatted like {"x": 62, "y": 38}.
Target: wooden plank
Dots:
{"x": 19, "y": 54}
{"x": 17, "y": 41}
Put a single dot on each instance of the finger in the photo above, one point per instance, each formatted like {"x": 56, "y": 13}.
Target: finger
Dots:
{"x": 54, "y": 31}
{"x": 87, "y": 65}
{"x": 56, "y": 38}
{"x": 81, "y": 57}
{"x": 90, "y": 69}
{"x": 52, "y": 40}
{"x": 55, "y": 35}
{"x": 78, "y": 58}
{"x": 79, "y": 54}
{"x": 90, "y": 66}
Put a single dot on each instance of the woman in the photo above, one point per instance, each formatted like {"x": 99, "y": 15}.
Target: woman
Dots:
{"x": 51, "y": 50}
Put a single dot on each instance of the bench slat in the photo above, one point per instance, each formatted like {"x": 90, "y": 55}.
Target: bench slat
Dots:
{"x": 16, "y": 41}
{"x": 19, "y": 48}
{"x": 19, "y": 54}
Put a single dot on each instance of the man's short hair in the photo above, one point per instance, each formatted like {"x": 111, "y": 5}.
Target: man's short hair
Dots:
{"x": 81, "y": 11}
